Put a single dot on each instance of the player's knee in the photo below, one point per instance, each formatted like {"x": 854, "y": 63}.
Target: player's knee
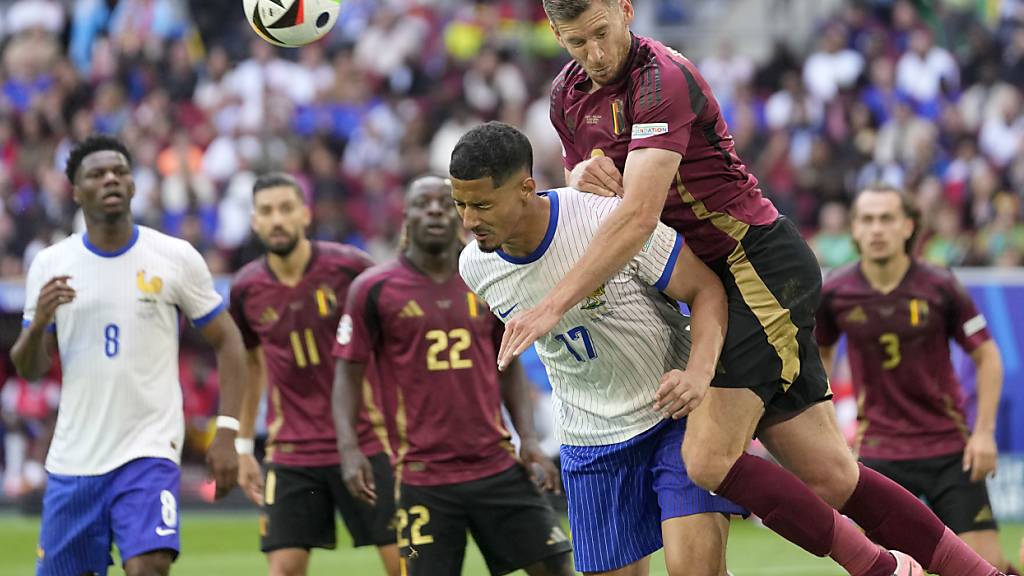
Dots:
{"x": 152, "y": 564}
{"x": 558, "y": 565}
{"x": 287, "y": 563}
{"x": 148, "y": 568}
{"x": 833, "y": 481}
{"x": 706, "y": 469}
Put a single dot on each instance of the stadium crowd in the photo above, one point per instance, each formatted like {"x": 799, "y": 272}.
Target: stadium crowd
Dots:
{"x": 926, "y": 99}
{"x": 929, "y": 99}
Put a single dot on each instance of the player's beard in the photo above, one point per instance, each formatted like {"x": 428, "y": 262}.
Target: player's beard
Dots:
{"x": 283, "y": 250}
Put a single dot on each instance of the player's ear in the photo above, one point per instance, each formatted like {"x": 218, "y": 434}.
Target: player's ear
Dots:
{"x": 626, "y": 6}
{"x": 307, "y": 215}
{"x": 528, "y": 187}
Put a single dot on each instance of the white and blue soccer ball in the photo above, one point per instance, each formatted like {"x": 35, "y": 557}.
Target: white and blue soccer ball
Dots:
{"x": 291, "y": 23}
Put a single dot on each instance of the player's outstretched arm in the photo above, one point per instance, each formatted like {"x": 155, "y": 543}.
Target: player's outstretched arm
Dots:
{"x": 515, "y": 393}
{"x": 981, "y": 453}
{"x": 346, "y": 401}
{"x": 647, "y": 176}
{"x": 34, "y": 348}
{"x": 250, "y": 477}
{"x": 681, "y": 391}
{"x": 221, "y": 459}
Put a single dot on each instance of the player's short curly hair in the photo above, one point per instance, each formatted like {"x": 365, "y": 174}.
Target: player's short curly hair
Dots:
{"x": 565, "y": 10}
{"x": 94, "y": 143}
{"x": 493, "y": 149}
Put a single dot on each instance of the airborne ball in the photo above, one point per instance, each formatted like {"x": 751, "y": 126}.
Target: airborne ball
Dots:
{"x": 291, "y": 23}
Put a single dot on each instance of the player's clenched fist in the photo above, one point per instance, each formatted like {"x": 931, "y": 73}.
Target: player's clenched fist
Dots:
{"x": 680, "y": 392}
{"x": 222, "y": 461}
{"x": 597, "y": 175}
{"x": 54, "y": 293}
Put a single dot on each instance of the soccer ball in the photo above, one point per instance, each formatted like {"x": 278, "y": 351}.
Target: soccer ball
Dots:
{"x": 291, "y": 23}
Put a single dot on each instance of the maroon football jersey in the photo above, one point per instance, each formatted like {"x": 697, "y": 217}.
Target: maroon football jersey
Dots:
{"x": 295, "y": 327}
{"x": 910, "y": 403}
{"x": 662, "y": 101}
{"x": 435, "y": 348}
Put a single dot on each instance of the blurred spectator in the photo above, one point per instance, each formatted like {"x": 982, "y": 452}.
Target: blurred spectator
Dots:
{"x": 926, "y": 71}
{"x": 726, "y": 70}
{"x": 834, "y": 66}
{"x": 833, "y": 244}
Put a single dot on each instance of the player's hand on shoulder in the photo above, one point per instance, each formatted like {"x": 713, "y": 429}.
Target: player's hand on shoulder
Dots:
{"x": 597, "y": 175}
{"x": 541, "y": 469}
{"x": 357, "y": 473}
{"x": 54, "y": 293}
{"x": 981, "y": 456}
{"x": 681, "y": 392}
{"x": 250, "y": 478}
{"x": 222, "y": 461}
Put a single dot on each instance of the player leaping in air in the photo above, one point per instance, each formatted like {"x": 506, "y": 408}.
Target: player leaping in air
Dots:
{"x": 108, "y": 301}
{"x": 650, "y": 118}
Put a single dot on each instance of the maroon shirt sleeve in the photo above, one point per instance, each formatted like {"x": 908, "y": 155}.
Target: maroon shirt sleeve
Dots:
{"x": 666, "y": 99}
{"x": 826, "y": 331}
{"x": 359, "y": 326}
{"x": 570, "y": 156}
{"x": 968, "y": 326}
{"x": 237, "y": 309}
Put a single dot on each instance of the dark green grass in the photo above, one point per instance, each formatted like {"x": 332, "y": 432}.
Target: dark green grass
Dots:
{"x": 226, "y": 545}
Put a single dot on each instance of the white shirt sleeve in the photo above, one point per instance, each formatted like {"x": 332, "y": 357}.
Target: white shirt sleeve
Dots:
{"x": 196, "y": 296}
{"x": 656, "y": 260}
{"x": 37, "y": 277}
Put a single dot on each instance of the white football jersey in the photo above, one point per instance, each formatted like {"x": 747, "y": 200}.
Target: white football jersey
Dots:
{"x": 606, "y": 356}
{"x": 118, "y": 342}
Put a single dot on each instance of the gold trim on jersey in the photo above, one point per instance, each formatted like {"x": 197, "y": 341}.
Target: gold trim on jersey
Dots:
{"x": 471, "y": 302}
{"x": 955, "y": 416}
{"x": 275, "y": 427}
{"x": 376, "y": 417}
{"x": 776, "y": 321}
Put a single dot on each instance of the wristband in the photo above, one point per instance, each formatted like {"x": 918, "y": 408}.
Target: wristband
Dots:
{"x": 245, "y": 446}
{"x": 229, "y": 422}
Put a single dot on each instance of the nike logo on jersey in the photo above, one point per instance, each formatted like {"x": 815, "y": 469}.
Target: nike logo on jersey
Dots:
{"x": 507, "y": 312}
{"x": 161, "y": 531}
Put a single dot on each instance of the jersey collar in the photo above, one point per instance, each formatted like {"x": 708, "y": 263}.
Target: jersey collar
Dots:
{"x": 112, "y": 254}
{"x": 552, "y": 226}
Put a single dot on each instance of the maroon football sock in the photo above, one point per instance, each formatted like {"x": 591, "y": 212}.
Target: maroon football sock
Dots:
{"x": 955, "y": 558}
{"x": 792, "y": 510}
{"x": 897, "y": 520}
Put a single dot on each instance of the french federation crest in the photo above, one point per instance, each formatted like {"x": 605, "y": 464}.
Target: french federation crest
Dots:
{"x": 595, "y": 300}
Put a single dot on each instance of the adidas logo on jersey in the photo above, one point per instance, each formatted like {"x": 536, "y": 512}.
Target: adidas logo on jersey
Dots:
{"x": 411, "y": 310}
{"x": 857, "y": 315}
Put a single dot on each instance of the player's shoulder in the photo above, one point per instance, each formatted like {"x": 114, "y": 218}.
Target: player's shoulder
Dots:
{"x": 933, "y": 272}
{"x": 842, "y": 277}
{"x": 164, "y": 245}
{"x": 377, "y": 274}
{"x": 343, "y": 257}
{"x": 570, "y": 74}
{"x": 253, "y": 272}
{"x": 574, "y": 205}
{"x": 57, "y": 250}
{"x": 931, "y": 275}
